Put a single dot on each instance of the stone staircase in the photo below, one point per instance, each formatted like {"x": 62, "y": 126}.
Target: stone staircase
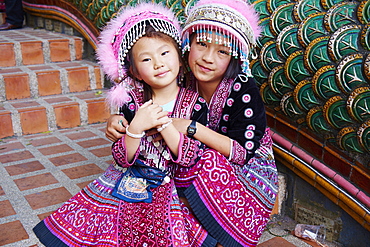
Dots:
{"x": 45, "y": 84}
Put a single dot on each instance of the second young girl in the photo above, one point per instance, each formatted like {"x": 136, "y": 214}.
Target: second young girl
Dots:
{"x": 135, "y": 203}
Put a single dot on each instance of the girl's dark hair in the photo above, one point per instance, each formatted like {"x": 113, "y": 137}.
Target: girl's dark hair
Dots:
{"x": 233, "y": 69}
{"x": 150, "y": 32}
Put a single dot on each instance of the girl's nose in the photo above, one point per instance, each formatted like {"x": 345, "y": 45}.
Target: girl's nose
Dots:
{"x": 208, "y": 56}
{"x": 158, "y": 64}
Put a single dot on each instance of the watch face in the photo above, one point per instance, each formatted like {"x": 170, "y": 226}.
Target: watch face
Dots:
{"x": 191, "y": 131}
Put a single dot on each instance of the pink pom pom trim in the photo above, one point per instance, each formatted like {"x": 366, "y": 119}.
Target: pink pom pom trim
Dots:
{"x": 117, "y": 96}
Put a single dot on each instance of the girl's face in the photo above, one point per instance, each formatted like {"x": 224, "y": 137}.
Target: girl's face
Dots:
{"x": 208, "y": 61}
{"x": 157, "y": 62}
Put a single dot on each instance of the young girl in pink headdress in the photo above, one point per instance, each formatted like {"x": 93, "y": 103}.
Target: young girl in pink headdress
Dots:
{"x": 232, "y": 189}
{"x": 235, "y": 186}
{"x": 135, "y": 202}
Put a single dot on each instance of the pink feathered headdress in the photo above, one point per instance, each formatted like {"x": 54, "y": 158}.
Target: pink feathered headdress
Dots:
{"x": 234, "y": 22}
{"x": 120, "y": 35}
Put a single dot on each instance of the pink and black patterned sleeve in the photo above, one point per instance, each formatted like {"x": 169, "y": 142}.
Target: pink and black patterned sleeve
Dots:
{"x": 244, "y": 119}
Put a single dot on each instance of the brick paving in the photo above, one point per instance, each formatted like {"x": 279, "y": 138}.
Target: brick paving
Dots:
{"x": 39, "y": 172}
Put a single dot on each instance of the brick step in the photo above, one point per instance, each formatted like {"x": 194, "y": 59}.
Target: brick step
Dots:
{"x": 34, "y": 81}
{"x": 45, "y": 84}
{"x": 29, "y": 46}
{"x": 48, "y": 113}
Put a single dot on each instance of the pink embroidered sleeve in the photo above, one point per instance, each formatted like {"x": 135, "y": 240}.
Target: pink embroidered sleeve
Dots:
{"x": 189, "y": 151}
{"x": 120, "y": 155}
{"x": 238, "y": 153}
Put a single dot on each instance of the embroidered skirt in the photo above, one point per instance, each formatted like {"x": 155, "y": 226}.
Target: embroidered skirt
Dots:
{"x": 232, "y": 202}
{"x": 93, "y": 217}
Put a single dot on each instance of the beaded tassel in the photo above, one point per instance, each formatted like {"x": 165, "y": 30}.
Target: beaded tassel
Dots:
{"x": 204, "y": 34}
{"x": 229, "y": 44}
{"x": 186, "y": 42}
{"x": 209, "y": 34}
{"x": 216, "y": 36}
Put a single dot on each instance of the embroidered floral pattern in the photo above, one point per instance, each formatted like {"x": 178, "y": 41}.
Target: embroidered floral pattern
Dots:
{"x": 248, "y": 113}
{"x": 246, "y": 98}
{"x": 218, "y": 102}
{"x": 249, "y": 134}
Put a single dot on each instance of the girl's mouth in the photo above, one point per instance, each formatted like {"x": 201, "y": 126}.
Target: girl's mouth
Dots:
{"x": 204, "y": 69}
{"x": 162, "y": 74}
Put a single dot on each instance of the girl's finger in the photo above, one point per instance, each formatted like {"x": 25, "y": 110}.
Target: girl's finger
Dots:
{"x": 164, "y": 119}
{"x": 157, "y": 108}
{"x": 158, "y": 138}
{"x": 148, "y": 103}
{"x": 152, "y": 132}
{"x": 163, "y": 114}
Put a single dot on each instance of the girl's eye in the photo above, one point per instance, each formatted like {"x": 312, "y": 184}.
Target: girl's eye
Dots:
{"x": 165, "y": 53}
{"x": 146, "y": 60}
{"x": 201, "y": 43}
{"x": 223, "y": 52}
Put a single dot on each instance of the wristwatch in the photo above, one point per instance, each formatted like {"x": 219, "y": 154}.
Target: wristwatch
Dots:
{"x": 192, "y": 128}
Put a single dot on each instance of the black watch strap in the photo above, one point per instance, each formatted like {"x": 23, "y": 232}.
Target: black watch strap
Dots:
{"x": 192, "y": 128}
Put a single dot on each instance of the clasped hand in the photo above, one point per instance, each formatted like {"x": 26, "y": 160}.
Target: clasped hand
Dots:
{"x": 116, "y": 124}
{"x": 149, "y": 116}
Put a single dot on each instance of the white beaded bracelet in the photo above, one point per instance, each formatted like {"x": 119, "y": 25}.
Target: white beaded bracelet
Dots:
{"x": 164, "y": 126}
{"x": 231, "y": 149}
{"x": 136, "y": 136}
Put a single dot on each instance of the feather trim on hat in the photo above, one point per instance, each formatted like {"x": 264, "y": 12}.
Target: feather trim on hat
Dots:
{"x": 117, "y": 95}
